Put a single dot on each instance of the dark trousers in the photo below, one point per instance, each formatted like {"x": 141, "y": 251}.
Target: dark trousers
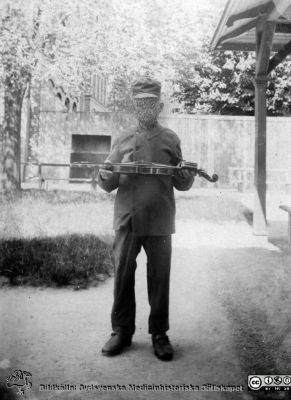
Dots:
{"x": 158, "y": 250}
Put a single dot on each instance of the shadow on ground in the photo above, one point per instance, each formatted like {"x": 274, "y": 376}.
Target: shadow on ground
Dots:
{"x": 7, "y": 393}
{"x": 239, "y": 302}
{"x": 253, "y": 287}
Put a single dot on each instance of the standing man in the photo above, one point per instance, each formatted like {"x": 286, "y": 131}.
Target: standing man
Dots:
{"x": 144, "y": 216}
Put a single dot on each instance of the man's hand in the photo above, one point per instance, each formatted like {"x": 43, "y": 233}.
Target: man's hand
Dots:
{"x": 186, "y": 174}
{"x": 105, "y": 173}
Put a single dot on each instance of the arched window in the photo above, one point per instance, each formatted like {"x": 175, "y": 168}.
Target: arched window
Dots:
{"x": 51, "y": 83}
{"x": 67, "y": 103}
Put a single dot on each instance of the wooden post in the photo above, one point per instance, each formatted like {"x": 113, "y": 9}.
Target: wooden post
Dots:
{"x": 39, "y": 176}
{"x": 288, "y": 210}
{"x": 260, "y": 222}
{"x": 94, "y": 178}
{"x": 27, "y": 130}
{"x": 264, "y": 39}
{"x": 210, "y": 153}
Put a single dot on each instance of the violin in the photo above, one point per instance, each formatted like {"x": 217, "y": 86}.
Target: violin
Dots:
{"x": 142, "y": 168}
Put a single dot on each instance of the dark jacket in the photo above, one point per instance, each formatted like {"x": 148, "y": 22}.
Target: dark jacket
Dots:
{"x": 146, "y": 202}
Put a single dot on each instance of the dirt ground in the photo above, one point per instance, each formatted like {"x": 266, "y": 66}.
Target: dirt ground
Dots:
{"x": 229, "y": 313}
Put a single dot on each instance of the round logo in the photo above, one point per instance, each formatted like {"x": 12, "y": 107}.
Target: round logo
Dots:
{"x": 255, "y": 382}
{"x": 268, "y": 380}
{"x": 277, "y": 380}
{"x": 287, "y": 380}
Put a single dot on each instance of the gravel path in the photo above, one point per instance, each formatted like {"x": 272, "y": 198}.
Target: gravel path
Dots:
{"x": 230, "y": 316}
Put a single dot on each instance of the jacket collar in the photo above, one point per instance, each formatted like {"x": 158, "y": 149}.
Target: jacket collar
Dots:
{"x": 150, "y": 133}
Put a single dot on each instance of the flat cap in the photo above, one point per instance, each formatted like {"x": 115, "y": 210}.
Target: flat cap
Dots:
{"x": 146, "y": 87}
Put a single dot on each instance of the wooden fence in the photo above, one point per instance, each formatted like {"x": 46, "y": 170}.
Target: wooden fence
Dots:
{"x": 220, "y": 144}
{"x": 225, "y": 145}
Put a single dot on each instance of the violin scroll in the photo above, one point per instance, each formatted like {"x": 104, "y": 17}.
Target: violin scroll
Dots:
{"x": 200, "y": 172}
{"x": 203, "y": 174}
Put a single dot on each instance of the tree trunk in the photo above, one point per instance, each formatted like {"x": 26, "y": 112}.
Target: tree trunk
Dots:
{"x": 27, "y": 129}
{"x": 11, "y": 137}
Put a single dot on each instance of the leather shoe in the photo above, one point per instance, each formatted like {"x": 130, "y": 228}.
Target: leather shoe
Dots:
{"x": 116, "y": 344}
{"x": 162, "y": 347}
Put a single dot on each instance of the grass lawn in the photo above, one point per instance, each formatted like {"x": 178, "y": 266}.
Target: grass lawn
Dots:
{"x": 58, "y": 238}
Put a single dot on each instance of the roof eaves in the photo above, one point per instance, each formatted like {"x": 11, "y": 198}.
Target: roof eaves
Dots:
{"x": 237, "y": 31}
{"x": 231, "y": 24}
{"x": 257, "y": 11}
{"x": 219, "y": 27}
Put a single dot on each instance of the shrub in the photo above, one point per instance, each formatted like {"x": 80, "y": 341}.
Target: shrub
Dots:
{"x": 55, "y": 261}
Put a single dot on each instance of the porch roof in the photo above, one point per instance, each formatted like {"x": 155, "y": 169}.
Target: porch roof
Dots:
{"x": 237, "y": 27}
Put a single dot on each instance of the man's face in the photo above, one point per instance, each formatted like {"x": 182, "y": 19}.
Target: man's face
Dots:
{"x": 147, "y": 110}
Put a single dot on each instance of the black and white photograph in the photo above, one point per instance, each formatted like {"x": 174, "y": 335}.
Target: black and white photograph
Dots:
{"x": 145, "y": 199}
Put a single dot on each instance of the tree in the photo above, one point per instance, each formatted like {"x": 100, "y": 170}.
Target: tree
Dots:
{"x": 43, "y": 38}
{"x": 216, "y": 82}
{"x": 15, "y": 76}
{"x": 166, "y": 35}
{"x": 34, "y": 43}
{"x": 221, "y": 82}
